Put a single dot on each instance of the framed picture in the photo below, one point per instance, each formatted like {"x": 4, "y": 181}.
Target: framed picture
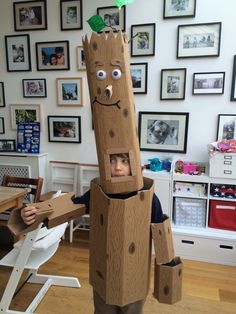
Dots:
{"x": 176, "y": 8}
{"x": 139, "y": 72}
{"x": 143, "y": 40}
{"x": 199, "y": 40}
{"x": 71, "y": 14}
{"x": 30, "y": 15}
{"x": 2, "y": 95}
{"x": 113, "y": 17}
{"x": 2, "y": 126}
{"x": 208, "y": 83}
{"x": 18, "y": 53}
{"x": 64, "y": 129}
{"x": 24, "y": 113}
{"x": 53, "y": 55}
{"x": 226, "y": 129}
{"x": 233, "y": 85}
{"x": 70, "y": 91}
{"x": 173, "y": 82}
{"x": 163, "y": 131}
{"x": 7, "y": 146}
{"x": 80, "y": 59}
{"x": 34, "y": 88}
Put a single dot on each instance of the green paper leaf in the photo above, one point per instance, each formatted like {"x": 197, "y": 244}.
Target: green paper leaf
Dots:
{"x": 120, "y": 3}
{"x": 96, "y": 23}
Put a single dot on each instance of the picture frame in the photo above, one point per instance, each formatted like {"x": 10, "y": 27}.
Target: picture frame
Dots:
{"x": 139, "y": 76}
{"x": 24, "y": 113}
{"x": 199, "y": 40}
{"x": 233, "y": 84}
{"x": 18, "y": 56}
{"x": 71, "y": 15}
{"x": 34, "y": 88}
{"x": 2, "y": 95}
{"x": 30, "y": 15}
{"x": 69, "y": 91}
{"x": 173, "y": 83}
{"x": 163, "y": 131}
{"x": 208, "y": 83}
{"x": 64, "y": 129}
{"x": 81, "y": 66}
{"x": 226, "y": 127}
{"x": 114, "y": 17}
{"x": 53, "y": 55}
{"x": 143, "y": 38}
{"x": 7, "y": 146}
{"x": 2, "y": 126}
{"x": 179, "y": 9}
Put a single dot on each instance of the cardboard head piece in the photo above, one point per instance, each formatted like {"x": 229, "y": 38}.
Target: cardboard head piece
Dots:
{"x": 112, "y": 102}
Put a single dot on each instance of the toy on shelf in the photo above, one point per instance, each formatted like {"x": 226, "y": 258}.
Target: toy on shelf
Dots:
{"x": 191, "y": 168}
{"x": 156, "y": 164}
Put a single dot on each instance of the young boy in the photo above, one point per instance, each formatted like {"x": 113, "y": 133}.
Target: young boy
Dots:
{"x": 120, "y": 166}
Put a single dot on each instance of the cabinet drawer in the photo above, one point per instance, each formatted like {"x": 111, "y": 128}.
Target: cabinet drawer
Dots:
{"x": 223, "y": 165}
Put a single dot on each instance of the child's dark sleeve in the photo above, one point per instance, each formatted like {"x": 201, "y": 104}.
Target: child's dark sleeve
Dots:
{"x": 157, "y": 214}
{"x": 84, "y": 199}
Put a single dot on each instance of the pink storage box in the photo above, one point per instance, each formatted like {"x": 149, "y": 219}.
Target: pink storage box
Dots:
{"x": 189, "y": 167}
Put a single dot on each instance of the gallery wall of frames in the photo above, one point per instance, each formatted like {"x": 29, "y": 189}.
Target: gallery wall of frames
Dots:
{"x": 183, "y": 69}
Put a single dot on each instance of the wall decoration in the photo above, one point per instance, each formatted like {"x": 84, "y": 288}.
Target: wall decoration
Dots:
{"x": 34, "y": 88}
{"x": 143, "y": 40}
{"x": 24, "y": 113}
{"x": 233, "y": 86}
{"x": 226, "y": 128}
{"x": 71, "y": 14}
{"x": 64, "y": 129}
{"x": 2, "y": 126}
{"x": 2, "y": 95}
{"x": 80, "y": 59}
{"x": 208, "y": 83}
{"x": 18, "y": 53}
{"x": 113, "y": 17}
{"x": 28, "y": 137}
{"x": 179, "y": 9}
{"x": 139, "y": 76}
{"x": 163, "y": 131}
{"x": 199, "y": 40}
{"x": 52, "y": 55}
{"x": 173, "y": 82}
{"x": 30, "y": 15}
{"x": 70, "y": 91}
{"x": 7, "y": 145}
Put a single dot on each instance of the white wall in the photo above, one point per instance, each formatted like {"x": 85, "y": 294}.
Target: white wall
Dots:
{"x": 203, "y": 110}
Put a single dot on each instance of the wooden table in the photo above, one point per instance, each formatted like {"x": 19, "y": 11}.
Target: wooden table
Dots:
{"x": 11, "y": 198}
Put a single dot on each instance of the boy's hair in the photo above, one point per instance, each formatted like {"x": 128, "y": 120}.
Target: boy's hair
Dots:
{"x": 121, "y": 155}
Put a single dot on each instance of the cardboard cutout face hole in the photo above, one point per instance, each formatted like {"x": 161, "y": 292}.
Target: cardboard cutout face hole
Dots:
{"x": 120, "y": 165}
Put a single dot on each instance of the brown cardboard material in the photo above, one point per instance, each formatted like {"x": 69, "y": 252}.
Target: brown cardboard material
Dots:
{"x": 168, "y": 282}
{"x": 120, "y": 246}
{"x": 52, "y": 212}
{"x": 163, "y": 241}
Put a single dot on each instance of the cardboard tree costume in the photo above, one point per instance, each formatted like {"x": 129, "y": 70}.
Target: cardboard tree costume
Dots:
{"x": 120, "y": 246}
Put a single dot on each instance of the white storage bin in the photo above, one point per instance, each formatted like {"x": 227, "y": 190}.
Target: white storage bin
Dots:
{"x": 223, "y": 165}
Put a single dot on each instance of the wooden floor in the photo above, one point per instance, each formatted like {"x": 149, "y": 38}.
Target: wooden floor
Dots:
{"x": 207, "y": 288}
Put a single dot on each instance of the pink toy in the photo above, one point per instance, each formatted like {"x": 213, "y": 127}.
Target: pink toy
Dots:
{"x": 189, "y": 168}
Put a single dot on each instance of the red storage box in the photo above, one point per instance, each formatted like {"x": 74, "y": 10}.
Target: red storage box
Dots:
{"x": 223, "y": 215}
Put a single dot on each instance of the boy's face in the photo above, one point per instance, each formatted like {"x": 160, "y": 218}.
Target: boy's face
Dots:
{"x": 120, "y": 166}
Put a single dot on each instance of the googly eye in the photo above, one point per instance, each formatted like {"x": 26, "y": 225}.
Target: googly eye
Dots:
{"x": 116, "y": 74}
{"x": 101, "y": 75}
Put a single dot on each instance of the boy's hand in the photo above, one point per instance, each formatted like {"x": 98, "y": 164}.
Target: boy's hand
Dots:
{"x": 28, "y": 214}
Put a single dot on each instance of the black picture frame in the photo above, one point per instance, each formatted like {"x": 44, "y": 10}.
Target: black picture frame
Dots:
{"x": 114, "y": 17}
{"x": 30, "y": 15}
{"x": 18, "y": 56}
{"x": 2, "y": 95}
{"x": 71, "y": 15}
{"x": 34, "y": 88}
{"x": 208, "y": 83}
{"x": 64, "y": 129}
{"x": 46, "y": 55}
{"x": 163, "y": 131}
{"x": 2, "y": 126}
{"x": 7, "y": 146}
{"x": 233, "y": 84}
{"x": 143, "y": 39}
{"x": 139, "y": 77}
{"x": 199, "y": 40}
{"x": 179, "y": 9}
{"x": 173, "y": 84}
{"x": 226, "y": 127}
